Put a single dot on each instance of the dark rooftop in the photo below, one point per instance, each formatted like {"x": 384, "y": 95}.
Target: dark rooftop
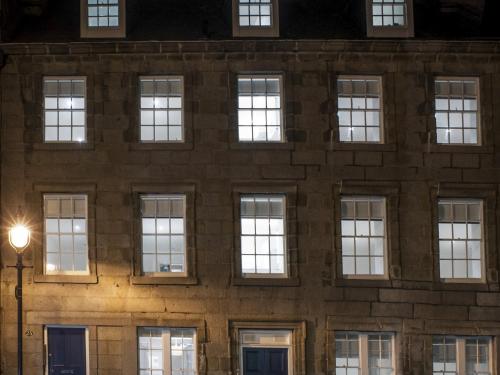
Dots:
{"x": 58, "y": 20}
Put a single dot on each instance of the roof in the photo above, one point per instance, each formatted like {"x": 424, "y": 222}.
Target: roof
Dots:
{"x": 58, "y": 20}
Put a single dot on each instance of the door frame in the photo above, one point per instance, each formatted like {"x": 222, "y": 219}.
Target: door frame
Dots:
{"x": 46, "y": 345}
{"x": 289, "y": 347}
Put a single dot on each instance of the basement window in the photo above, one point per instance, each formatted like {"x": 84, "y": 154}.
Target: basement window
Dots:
{"x": 253, "y": 18}
{"x": 102, "y": 18}
{"x": 461, "y": 355}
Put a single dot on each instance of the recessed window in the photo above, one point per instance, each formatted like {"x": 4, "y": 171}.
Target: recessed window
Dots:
{"x": 461, "y": 355}
{"x": 64, "y": 109}
{"x": 102, "y": 18}
{"x": 163, "y": 234}
{"x": 389, "y": 12}
{"x": 364, "y": 353}
{"x": 255, "y": 12}
{"x": 167, "y": 351}
{"x": 263, "y": 236}
{"x": 161, "y": 109}
{"x": 103, "y": 13}
{"x": 66, "y": 234}
{"x": 457, "y": 114}
{"x": 359, "y": 109}
{"x": 255, "y": 18}
{"x": 460, "y": 239}
{"x": 363, "y": 236}
{"x": 260, "y": 109}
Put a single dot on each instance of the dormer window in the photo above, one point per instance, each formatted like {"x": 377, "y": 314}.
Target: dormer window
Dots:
{"x": 255, "y": 18}
{"x": 102, "y": 18}
{"x": 390, "y": 18}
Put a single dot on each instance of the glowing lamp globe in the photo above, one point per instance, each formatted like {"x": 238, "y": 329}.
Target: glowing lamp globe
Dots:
{"x": 19, "y": 237}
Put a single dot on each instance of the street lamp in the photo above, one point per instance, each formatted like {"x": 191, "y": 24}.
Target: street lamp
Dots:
{"x": 19, "y": 239}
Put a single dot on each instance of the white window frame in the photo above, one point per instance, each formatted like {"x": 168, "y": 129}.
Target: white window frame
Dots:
{"x": 477, "y": 82}
{"x": 272, "y": 334}
{"x": 66, "y": 78}
{"x": 379, "y": 79}
{"x": 182, "y": 109}
{"x": 363, "y": 349}
{"x": 166, "y": 338}
{"x": 256, "y": 31}
{"x": 286, "y": 268}
{"x": 184, "y": 273}
{"x": 46, "y": 345}
{"x": 481, "y": 279}
{"x": 102, "y": 31}
{"x": 354, "y": 276}
{"x": 70, "y": 273}
{"x": 282, "y": 107}
{"x": 406, "y": 31}
{"x": 461, "y": 354}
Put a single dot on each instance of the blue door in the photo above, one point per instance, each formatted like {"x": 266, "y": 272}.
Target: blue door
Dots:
{"x": 265, "y": 361}
{"x": 66, "y": 351}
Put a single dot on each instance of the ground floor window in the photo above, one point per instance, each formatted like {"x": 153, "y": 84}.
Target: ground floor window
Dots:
{"x": 461, "y": 355}
{"x": 364, "y": 353}
{"x": 167, "y": 351}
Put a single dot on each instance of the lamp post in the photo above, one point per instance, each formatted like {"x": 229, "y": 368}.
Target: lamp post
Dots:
{"x": 19, "y": 239}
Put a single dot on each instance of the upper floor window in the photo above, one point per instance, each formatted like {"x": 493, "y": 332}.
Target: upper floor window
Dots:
{"x": 457, "y": 114}
{"x": 64, "y": 109}
{"x": 167, "y": 351}
{"x": 66, "y": 234}
{"x": 460, "y": 239}
{"x": 263, "y": 241}
{"x": 360, "y": 109}
{"x": 255, "y": 18}
{"x": 163, "y": 234}
{"x": 161, "y": 109}
{"x": 102, "y": 18}
{"x": 390, "y": 18}
{"x": 260, "y": 109}
{"x": 461, "y": 355}
{"x": 364, "y": 353}
{"x": 363, "y": 229}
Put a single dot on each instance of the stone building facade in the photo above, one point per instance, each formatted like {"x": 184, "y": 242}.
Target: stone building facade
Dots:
{"x": 312, "y": 167}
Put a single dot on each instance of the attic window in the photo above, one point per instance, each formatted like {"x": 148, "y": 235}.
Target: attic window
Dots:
{"x": 255, "y": 18}
{"x": 102, "y": 18}
{"x": 389, "y": 18}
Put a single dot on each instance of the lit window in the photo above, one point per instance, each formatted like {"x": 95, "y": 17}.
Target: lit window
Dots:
{"x": 359, "y": 109}
{"x": 460, "y": 239}
{"x": 389, "y": 12}
{"x": 364, "y": 353}
{"x": 255, "y": 12}
{"x": 103, "y": 13}
{"x": 461, "y": 355}
{"x": 167, "y": 351}
{"x": 457, "y": 111}
{"x": 64, "y": 109}
{"x": 163, "y": 233}
{"x": 161, "y": 109}
{"x": 363, "y": 236}
{"x": 263, "y": 235}
{"x": 66, "y": 234}
{"x": 260, "y": 109}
